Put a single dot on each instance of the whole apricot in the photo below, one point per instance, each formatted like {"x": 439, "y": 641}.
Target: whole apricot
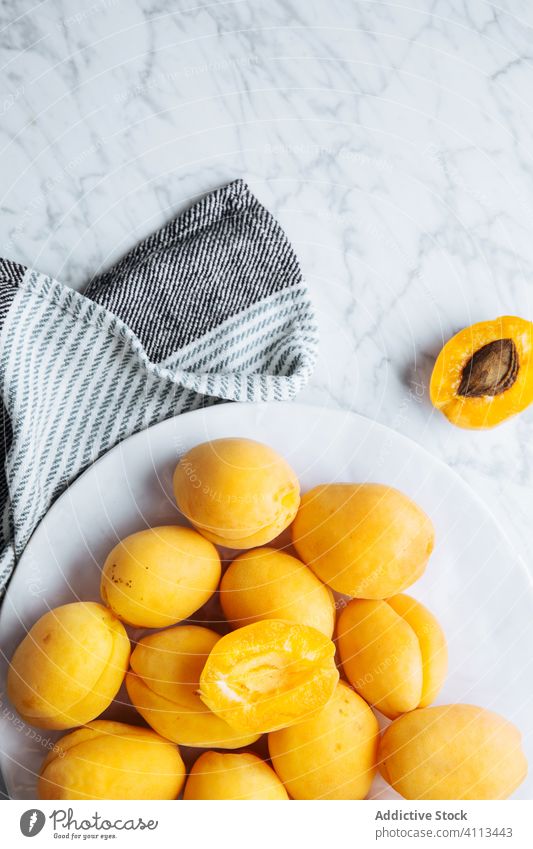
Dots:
{"x": 236, "y": 492}
{"x": 452, "y": 752}
{"x": 365, "y": 540}
{"x": 69, "y": 667}
{"x": 163, "y": 685}
{"x": 269, "y": 584}
{"x": 393, "y": 652}
{"x": 160, "y": 576}
{"x": 111, "y": 760}
{"x": 269, "y": 675}
{"x": 233, "y": 776}
{"x": 331, "y": 755}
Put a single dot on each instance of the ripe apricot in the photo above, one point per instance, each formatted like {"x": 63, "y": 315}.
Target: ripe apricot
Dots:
{"x": 69, "y": 667}
{"x": 365, "y": 540}
{"x": 452, "y": 752}
{"x": 160, "y": 576}
{"x": 269, "y": 675}
{"x": 111, "y": 760}
{"x": 163, "y": 685}
{"x": 393, "y": 652}
{"x": 269, "y": 584}
{"x": 233, "y": 776}
{"x": 484, "y": 374}
{"x": 236, "y": 492}
{"x": 331, "y": 755}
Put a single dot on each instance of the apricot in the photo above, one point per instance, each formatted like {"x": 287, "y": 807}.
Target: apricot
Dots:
{"x": 160, "y": 576}
{"x": 484, "y": 374}
{"x": 452, "y": 752}
{"x": 269, "y": 584}
{"x": 365, "y": 540}
{"x": 111, "y": 760}
{"x": 163, "y": 686}
{"x": 269, "y": 675}
{"x": 331, "y": 755}
{"x": 393, "y": 653}
{"x": 233, "y": 776}
{"x": 69, "y": 666}
{"x": 236, "y": 492}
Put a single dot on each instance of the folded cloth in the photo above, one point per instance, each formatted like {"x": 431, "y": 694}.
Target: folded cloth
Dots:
{"x": 210, "y": 308}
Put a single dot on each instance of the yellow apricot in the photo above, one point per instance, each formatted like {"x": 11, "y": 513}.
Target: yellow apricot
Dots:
{"x": 111, "y": 760}
{"x": 331, "y": 755}
{"x": 432, "y": 642}
{"x": 365, "y": 540}
{"x": 228, "y": 776}
{"x": 69, "y": 667}
{"x": 269, "y": 675}
{"x": 484, "y": 374}
{"x": 160, "y": 576}
{"x": 236, "y": 492}
{"x": 163, "y": 685}
{"x": 452, "y": 752}
{"x": 269, "y": 584}
{"x": 393, "y": 652}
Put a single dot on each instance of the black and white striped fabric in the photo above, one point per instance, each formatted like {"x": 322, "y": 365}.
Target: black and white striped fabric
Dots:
{"x": 210, "y": 308}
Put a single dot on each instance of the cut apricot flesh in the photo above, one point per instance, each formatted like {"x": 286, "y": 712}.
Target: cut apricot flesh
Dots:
{"x": 484, "y": 374}
{"x": 269, "y": 675}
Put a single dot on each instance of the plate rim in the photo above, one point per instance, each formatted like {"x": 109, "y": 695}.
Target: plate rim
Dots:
{"x": 218, "y": 409}
{"x": 8, "y": 603}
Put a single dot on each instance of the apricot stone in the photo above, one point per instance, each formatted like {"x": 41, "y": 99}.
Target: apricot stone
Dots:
{"x": 69, "y": 667}
{"x": 452, "y": 752}
{"x": 111, "y": 760}
{"x": 269, "y": 584}
{"x": 393, "y": 652}
{"x": 228, "y": 776}
{"x": 236, "y": 492}
{"x": 160, "y": 576}
{"x": 364, "y": 540}
{"x": 163, "y": 685}
{"x": 331, "y": 755}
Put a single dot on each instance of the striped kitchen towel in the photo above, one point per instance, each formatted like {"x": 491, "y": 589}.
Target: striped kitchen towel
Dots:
{"x": 210, "y": 308}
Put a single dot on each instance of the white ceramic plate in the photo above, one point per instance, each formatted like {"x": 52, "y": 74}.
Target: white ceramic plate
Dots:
{"x": 474, "y": 583}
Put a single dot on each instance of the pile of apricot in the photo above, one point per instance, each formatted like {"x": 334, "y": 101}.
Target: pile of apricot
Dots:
{"x": 276, "y": 667}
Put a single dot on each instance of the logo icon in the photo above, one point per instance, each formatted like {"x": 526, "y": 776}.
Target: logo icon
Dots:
{"x": 32, "y": 822}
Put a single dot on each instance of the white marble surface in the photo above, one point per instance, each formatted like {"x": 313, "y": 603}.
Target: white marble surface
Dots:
{"x": 392, "y": 139}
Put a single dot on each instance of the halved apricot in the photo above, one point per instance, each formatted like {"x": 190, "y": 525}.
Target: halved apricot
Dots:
{"x": 484, "y": 374}
{"x": 269, "y": 675}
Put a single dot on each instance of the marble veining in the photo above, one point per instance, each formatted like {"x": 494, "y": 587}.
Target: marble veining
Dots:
{"x": 392, "y": 140}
